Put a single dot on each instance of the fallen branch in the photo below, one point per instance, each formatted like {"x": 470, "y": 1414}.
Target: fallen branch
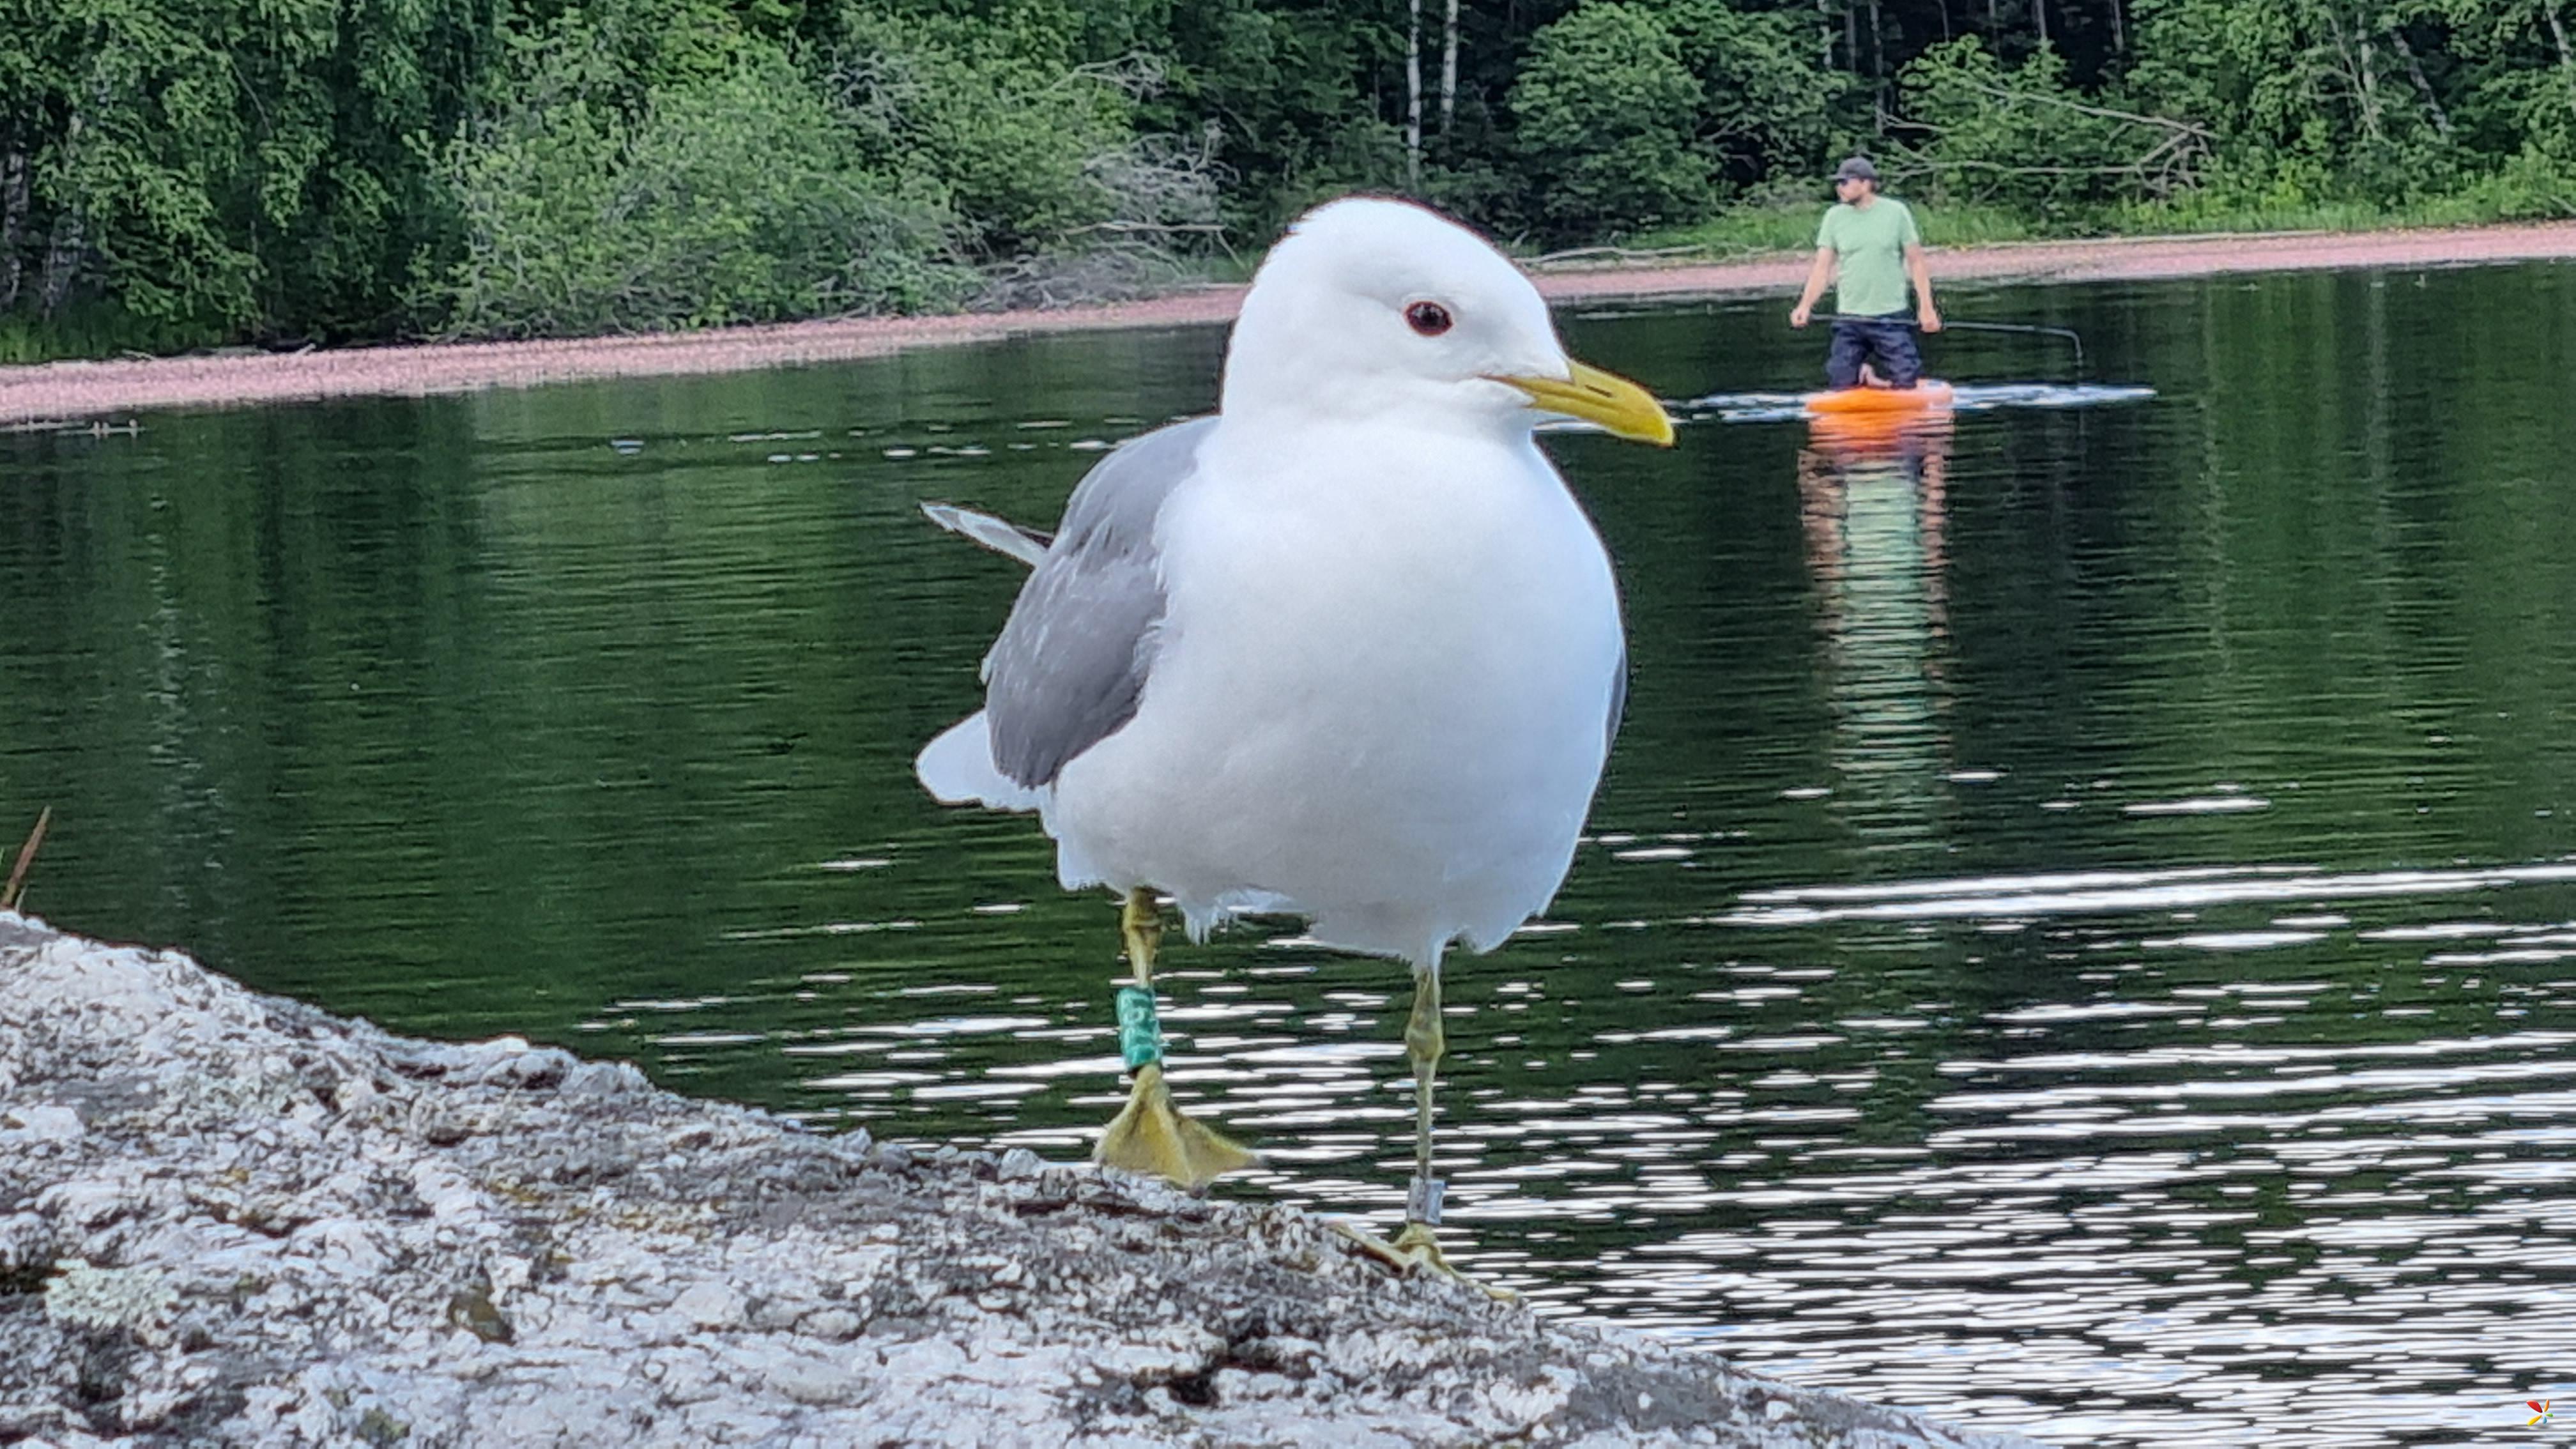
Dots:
{"x": 17, "y": 886}
{"x": 1622, "y": 255}
{"x": 2105, "y": 113}
{"x": 1199, "y": 228}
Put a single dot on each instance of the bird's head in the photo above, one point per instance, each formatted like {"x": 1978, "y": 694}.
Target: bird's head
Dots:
{"x": 1371, "y": 304}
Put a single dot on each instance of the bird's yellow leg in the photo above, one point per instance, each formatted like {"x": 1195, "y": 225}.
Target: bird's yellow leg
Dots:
{"x": 1151, "y": 1135}
{"x": 1418, "y": 1246}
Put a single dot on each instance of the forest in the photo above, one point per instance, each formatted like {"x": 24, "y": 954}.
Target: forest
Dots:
{"x": 186, "y": 173}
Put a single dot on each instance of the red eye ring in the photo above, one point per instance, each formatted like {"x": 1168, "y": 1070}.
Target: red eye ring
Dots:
{"x": 1428, "y": 318}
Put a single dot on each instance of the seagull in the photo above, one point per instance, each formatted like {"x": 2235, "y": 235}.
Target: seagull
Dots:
{"x": 1346, "y": 649}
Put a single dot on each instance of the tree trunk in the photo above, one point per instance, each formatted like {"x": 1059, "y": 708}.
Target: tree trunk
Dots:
{"x": 13, "y": 225}
{"x": 1825, "y": 31}
{"x": 2356, "y": 71}
{"x": 2119, "y": 29}
{"x": 63, "y": 242}
{"x": 62, "y": 263}
{"x": 2424, "y": 87}
{"x": 1878, "y": 65}
{"x": 2369, "y": 83}
{"x": 1449, "y": 70}
{"x": 1413, "y": 96}
{"x": 2566, "y": 59}
{"x": 2039, "y": 20}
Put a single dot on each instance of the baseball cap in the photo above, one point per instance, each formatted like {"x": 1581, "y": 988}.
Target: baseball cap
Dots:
{"x": 1856, "y": 169}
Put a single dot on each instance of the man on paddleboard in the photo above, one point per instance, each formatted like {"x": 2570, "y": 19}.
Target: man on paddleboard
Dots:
{"x": 1872, "y": 239}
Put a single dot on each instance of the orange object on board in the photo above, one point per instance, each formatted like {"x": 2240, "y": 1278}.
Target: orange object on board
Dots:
{"x": 1860, "y": 422}
{"x": 1924, "y": 396}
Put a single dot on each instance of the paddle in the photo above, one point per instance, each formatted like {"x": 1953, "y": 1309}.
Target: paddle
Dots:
{"x": 1948, "y": 325}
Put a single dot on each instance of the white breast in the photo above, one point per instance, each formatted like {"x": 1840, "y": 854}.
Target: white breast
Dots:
{"x": 1381, "y": 693}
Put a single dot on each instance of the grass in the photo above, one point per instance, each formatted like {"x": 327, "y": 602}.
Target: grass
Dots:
{"x": 1791, "y": 227}
{"x": 94, "y": 330}
{"x": 1776, "y": 227}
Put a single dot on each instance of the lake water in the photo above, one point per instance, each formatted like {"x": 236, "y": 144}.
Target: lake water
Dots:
{"x": 2079, "y": 933}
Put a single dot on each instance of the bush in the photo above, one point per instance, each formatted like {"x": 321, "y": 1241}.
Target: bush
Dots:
{"x": 1036, "y": 157}
{"x": 2024, "y": 138}
{"x": 740, "y": 198}
{"x": 1606, "y": 113}
{"x": 1288, "y": 94}
{"x": 2314, "y": 104}
{"x": 2534, "y": 185}
{"x": 1771, "y": 109}
{"x": 997, "y": 119}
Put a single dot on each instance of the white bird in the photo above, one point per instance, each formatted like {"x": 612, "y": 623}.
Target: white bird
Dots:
{"x": 1347, "y": 649}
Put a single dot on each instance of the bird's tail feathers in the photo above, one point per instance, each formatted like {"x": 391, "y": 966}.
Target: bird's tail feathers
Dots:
{"x": 957, "y": 769}
{"x": 998, "y": 534}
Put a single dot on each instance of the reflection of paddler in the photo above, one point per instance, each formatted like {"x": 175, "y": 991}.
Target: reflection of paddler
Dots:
{"x": 1880, "y": 510}
{"x": 1875, "y": 527}
{"x": 1868, "y": 248}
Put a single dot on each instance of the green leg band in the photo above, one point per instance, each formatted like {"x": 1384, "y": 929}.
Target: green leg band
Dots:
{"x": 1140, "y": 1032}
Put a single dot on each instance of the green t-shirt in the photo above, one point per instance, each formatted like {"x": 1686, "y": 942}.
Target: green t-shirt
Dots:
{"x": 1871, "y": 243}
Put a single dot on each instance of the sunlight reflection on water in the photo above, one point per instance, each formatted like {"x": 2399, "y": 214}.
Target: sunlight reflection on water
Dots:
{"x": 2175, "y": 1189}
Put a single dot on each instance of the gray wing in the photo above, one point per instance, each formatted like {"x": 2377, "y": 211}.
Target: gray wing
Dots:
{"x": 1618, "y": 699}
{"x": 1072, "y": 661}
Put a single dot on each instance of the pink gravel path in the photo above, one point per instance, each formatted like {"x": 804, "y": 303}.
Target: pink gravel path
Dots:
{"x": 66, "y": 390}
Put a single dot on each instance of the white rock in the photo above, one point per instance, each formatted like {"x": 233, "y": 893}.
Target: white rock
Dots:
{"x": 45, "y": 1124}
{"x": 710, "y": 1304}
{"x": 811, "y": 1380}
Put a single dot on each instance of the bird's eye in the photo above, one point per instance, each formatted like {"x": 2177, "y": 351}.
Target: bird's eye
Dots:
{"x": 1428, "y": 318}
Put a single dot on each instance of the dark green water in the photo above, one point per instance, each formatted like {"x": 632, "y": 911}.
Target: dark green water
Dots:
{"x": 2080, "y": 931}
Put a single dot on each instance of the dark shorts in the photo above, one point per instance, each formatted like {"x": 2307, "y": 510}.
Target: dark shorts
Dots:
{"x": 1885, "y": 341}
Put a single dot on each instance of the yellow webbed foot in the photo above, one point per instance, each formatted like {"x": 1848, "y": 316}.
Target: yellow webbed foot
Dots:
{"x": 1154, "y": 1137}
{"x": 1417, "y": 1250}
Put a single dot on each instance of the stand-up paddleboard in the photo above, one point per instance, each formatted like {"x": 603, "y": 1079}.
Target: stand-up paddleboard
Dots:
{"x": 1928, "y": 395}
{"x": 1868, "y": 420}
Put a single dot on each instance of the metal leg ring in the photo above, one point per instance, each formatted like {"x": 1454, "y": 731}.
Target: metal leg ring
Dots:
{"x": 1422, "y": 1202}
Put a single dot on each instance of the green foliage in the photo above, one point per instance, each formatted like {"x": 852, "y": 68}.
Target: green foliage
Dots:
{"x": 88, "y": 328}
{"x": 1607, "y": 113}
{"x": 2022, "y": 137}
{"x": 282, "y": 170}
{"x": 739, "y": 197}
{"x": 1285, "y": 87}
{"x": 120, "y": 118}
{"x": 229, "y": 163}
{"x": 2381, "y": 102}
{"x": 1769, "y": 107}
{"x": 1012, "y": 137}
{"x": 2308, "y": 96}
{"x": 2533, "y": 185}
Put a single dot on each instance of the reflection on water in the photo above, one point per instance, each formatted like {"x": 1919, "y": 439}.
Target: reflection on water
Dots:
{"x": 2079, "y": 932}
{"x": 1872, "y": 500}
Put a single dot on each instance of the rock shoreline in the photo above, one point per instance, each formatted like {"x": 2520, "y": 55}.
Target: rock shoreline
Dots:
{"x": 227, "y": 1218}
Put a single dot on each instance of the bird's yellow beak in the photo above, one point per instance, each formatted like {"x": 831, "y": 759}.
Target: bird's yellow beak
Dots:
{"x": 1627, "y": 410}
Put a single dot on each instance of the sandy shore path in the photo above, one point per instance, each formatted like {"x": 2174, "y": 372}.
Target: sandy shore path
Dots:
{"x": 68, "y": 390}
